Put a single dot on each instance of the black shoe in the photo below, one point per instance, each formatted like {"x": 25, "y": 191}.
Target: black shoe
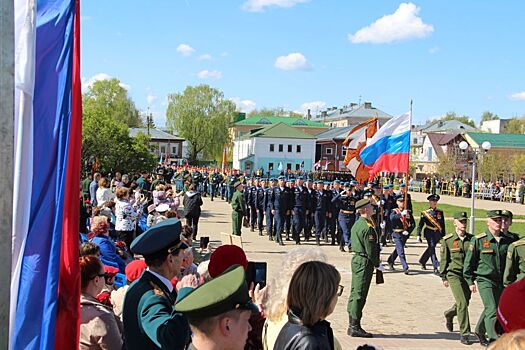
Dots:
{"x": 391, "y": 266}
{"x": 406, "y": 272}
{"x": 252, "y": 229}
{"x": 449, "y": 323}
{"x": 298, "y": 242}
{"x": 270, "y": 238}
{"x": 423, "y": 266}
{"x": 326, "y": 239}
{"x": 465, "y": 340}
{"x": 436, "y": 272}
{"x": 317, "y": 240}
{"x": 355, "y": 330}
{"x": 482, "y": 340}
{"x": 341, "y": 248}
{"x": 281, "y": 243}
{"x": 260, "y": 233}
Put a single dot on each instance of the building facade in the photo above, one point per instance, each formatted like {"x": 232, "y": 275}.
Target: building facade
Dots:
{"x": 352, "y": 114}
{"x": 162, "y": 143}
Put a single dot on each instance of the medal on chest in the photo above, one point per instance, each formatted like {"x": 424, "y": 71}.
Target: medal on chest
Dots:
{"x": 439, "y": 216}
{"x": 455, "y": 244}
{"x": 486, "y": 244}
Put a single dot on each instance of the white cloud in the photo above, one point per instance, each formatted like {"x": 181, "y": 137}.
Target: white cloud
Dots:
{"x": 261, "y": 5}
{"x": 245, "y": 106}
{"x": 433, "y": 50}
{"x": 312, "y": 106}
{"x": 293, "y": 61}
{"x": 151, "y": 98}
{"x": 209, "y": 74}
{"x": 185, "y": 49}
{"x": 87, "y": 83}
{"x": 224, "y": 54}
{"x": 520, "y": 96}
{"x": 404, "y": 24}
{"x": 205, "y": 57}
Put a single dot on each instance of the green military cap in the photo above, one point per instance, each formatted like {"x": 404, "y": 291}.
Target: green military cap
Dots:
{"x": 506, "y": 213}
{"x": 494, "y": 213}
{"x": 460, "y": 215}
{"x": 224, "y": 293}
{"x": 159, "y": 239}
{"x": 362, "y": 203}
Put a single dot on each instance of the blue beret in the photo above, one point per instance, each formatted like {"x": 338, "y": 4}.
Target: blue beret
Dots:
{"x": 354, "y": 182}
{"x": 368, "y": 193}
{"x": 309, "y": 180}
{"x": 326, "y": 183}
{"x": 337, "y": 182}
{"x": 300, "y": 178}
{"x": 159, "y": 238}
{"x": 402, "y": 185}
{"x": 272, "y": 179}
{"x": 318, "y": 182}
{"x": 281, "y": 177}
{"x": 346, "y": 183}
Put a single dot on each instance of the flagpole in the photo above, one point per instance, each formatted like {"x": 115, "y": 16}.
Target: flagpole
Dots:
{"x": 408, "y": 163}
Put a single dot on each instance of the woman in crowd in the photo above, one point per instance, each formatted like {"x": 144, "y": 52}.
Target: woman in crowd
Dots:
{"x": 275, "y": 305}
{"x": 126, "y": 215}
{"x": 104, "y": 193}
{"x": 108, "y": 251}
{"x": 99, "y": 328}
{"x": 192, "y": 208}
{"x": 312, "y": 296}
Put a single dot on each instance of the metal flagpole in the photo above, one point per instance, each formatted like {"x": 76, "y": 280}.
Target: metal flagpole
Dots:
{"x": 408, "y": 164}
{"x": 7, "y": 97}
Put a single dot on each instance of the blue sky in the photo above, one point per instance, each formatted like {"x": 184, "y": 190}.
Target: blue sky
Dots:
{"x": 462, "y": 56}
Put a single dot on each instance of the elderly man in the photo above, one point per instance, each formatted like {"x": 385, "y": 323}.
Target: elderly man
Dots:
{"x": 150, "y": 321}
{"x": 484, "y": 264}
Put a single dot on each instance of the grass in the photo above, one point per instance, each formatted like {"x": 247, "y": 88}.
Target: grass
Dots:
{"x": 449, "y": 210}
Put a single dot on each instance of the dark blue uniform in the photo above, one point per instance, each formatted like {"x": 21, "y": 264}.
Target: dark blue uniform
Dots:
{"x": 329, "y": 219}
{"x": 268, "y": 209}
{"x": 246, "y": 193}
{"x": 253, "y": 207}
{"x": 288, "y": 215}
{"x": 309, "y": 218}
{"x": 390, "y": 204}
{"x": 432, "y": 233}
{"x": 335, "y": 228}
{"x": 346, "y": 216}
{"x": 300, "y": 198}
{"x": 402, "y": 226}
{"x": 261, "y": 207}
{"x": 321, "y": 201}
{"x": 279, "y": 203}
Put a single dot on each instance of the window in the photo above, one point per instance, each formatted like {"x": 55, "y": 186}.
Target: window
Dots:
{"x": 329, "y": 150}
{"x": 289, "y": 166}
{"x": 280, "y": 148}
{"x": 270, "y": 166}
{"x": 272, "y": 147}
{"x": 298, "y": 149}
{"x": 343, "y": 151}
{"x": 174, "y": 150}
{"x": 162, "y": 149}
{"x": 297, "y": 166}
{"x": 289, "y": 148}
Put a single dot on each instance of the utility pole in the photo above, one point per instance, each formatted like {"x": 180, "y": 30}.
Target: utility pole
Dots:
{"x": 7, "y": 98}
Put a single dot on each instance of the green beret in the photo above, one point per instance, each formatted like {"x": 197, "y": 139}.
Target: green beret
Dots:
{"x": 494, "y": 213}
{"x": 224, "y": 293}
{"x": 161, "y": 238}
{"x": 362, "y": 203}
{"x": 506, "y": 213}
{"x": 460, "y": 215}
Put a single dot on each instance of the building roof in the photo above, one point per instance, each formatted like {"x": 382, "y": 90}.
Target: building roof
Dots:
{"x": 268, "y": 120}
{"x": 335, "y": 133}
{"x": 475, "y": 139}
{"x": 444, "y": 126}
{"x": 363, "y": 111}
{"x": 435, "y": 139}
{"x": 155, "y": 134}
{"x": 279, "y": 130}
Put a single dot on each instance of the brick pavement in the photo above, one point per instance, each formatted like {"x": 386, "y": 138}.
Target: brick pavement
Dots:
{"x": 404, "y": 313}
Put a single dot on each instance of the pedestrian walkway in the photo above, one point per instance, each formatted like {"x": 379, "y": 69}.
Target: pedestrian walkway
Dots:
{"x": 404, "y": 313}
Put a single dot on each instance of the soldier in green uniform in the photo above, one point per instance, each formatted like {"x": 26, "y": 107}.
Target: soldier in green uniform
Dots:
{"x": 453, "y": 249}
{"x": 506, "y": 222}
{"x": 219, "y": 311}
{"x": 485, "y": 264}
{"x": 239, "y": 208}
{"x": 515, "y": 265}
{"x": 150, "y": 321}
{"x": 365, "y": 246}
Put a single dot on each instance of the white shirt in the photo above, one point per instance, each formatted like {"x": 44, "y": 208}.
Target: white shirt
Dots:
{"x": 163, "y": 279}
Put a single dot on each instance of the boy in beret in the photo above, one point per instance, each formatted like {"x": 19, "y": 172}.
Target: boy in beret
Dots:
{"x": 485, "y": 264}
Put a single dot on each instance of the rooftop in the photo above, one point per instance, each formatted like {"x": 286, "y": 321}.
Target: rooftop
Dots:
{"x": 155, "y": 134}
{"x": 269, "y": 120}
{"x": 497, "y": 140}
{"x": 354, "y": 110}
{"x": 444, "y": 126}
{"x": 279, "y": 130}
{"x": 335, "y": 133}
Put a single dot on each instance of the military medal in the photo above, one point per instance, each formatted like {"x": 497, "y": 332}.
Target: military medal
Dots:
{"x": 486, "y": 244}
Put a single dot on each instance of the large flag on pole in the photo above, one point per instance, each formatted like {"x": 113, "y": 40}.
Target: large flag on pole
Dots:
{"x": 355, "y": 142}
{"x": 45, "y": 283}
{"x": 388, "y": 150}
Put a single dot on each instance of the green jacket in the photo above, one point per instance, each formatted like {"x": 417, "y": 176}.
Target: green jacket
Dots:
{"x": 238, "y": 204}
{"x": 486, "y": 258}
{"x": 365, "y": 240}
{"x": 150, "y": 321}
{"x": 453, "y": 251}
{"x": 515, "y": 265}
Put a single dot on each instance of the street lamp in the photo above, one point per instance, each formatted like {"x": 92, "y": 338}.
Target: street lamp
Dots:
{"x": 485, "y": 146}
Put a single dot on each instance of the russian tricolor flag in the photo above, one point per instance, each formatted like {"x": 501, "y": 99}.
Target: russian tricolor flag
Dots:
{"x": 45, "y": 281}
{"x": 388, "y": 150}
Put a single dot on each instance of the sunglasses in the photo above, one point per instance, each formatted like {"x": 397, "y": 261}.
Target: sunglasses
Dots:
{"x": 340, "y": 289}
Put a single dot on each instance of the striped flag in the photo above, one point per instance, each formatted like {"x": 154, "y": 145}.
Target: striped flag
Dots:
{"x": 45, "y": 283}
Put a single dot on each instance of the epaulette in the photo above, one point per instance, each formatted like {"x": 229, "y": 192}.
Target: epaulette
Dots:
{"x": 481, "y": 235}
{"x": 157, "y": 290}
{"x": 448, "y": 236}
{"x": 518, "y": 243}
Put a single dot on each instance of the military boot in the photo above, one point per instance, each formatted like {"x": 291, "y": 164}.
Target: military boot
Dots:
{"x": 357, "y": 331}
{"x": 317, "y": 240}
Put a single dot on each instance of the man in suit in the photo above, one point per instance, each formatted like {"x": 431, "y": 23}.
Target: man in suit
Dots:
{"x": 150, "y": 321}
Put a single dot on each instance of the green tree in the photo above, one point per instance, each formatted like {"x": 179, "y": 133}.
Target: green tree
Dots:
{"x": 202, "y": 116}
{"x": 487, "y": 115}
{"x": 447, "y": 165}
{"x": 274, "y": 112}
{"x": 515, "y": 126}
{"x": 453, "y": 116}
{"x": 518, "y": 166}
{"x": 109, "y": 98}
{"x": 493, "y": 166}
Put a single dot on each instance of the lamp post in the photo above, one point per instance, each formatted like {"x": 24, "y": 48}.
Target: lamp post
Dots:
{"x": 485, "y": 147}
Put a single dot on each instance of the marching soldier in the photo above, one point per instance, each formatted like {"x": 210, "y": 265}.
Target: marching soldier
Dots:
{"x": 260, "y": 204}
{"x": 454, "y": 246}
{"x": 300, "y": 199}
{"x": 433, "y": 221}
{"x": 267, "y": 205}
{"x": 389, "y": 204}
{"x": 335, "y": 228}
{"x": 366, "y": 258}
{"x": 345, "y": 202}
{"x": 239, "y": 208}
{"x": 485, "y": 264}
{"x": 247, "y": 190}
{"x": 403, "y": 190}
{"x": 506, "y": 222}
{"x": 515, "y": 265}
{"x": 310, "y": 210}
{"x": 279, "y": 206}
{"x": 403, "y": 224}
{"x": 320, "y": 211}
{"x": 288, "y": 215}
{"x": 253, "y": 204}
{"x": 329, "y": 227}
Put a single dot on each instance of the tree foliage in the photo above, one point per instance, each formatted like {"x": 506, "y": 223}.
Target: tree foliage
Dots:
{"x": 109, "y": 98}
{"x": 107, "y": 112}
{"x": 274, "y": 112}
{"x": 487, "y": 115}
{"x": 447, "y": 165}
{"x": 515, "y": 126}
{"x": 202, "y": 116}
{"x": 493, "y": 166}
{"x": 453, "y": 116}
{"x": 518, "y": 166}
